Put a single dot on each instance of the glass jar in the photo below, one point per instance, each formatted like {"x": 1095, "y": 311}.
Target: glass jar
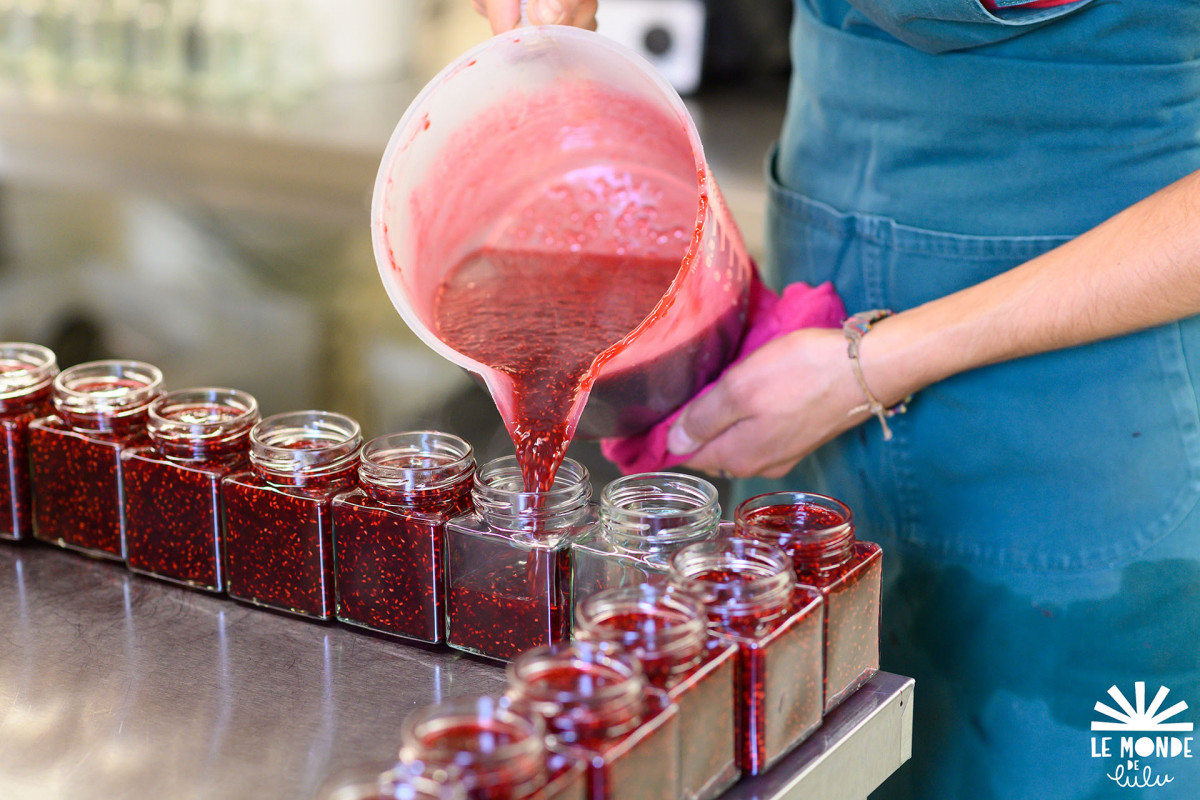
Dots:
{"x": 595, "y": 702}
{"x": 174, "y": 517}
{"x": 508, "y": 563}
{"x": 754, "y": 602}
{"x": 388, "y": 782}
{"x": 75, "y": 455}
{"x": 493, "y": 751}
{"x": 388, "y": 549}
{"x": 26, "y": 374}
{"x": 644, "y": 519}
{"x": 667, "y": 629}
{"x": 279, "y": 536}
{"x": 818, "y": 532}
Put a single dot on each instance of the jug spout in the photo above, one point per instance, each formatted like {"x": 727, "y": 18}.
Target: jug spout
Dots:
{"x": 560, "y": 149}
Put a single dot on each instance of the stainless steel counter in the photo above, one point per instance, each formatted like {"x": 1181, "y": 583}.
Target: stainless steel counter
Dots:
{"x": 116, "y": 687}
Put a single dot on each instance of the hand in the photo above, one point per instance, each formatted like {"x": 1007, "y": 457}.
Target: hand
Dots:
{"x": 772, "y": 409}
{"x": 504, "y": 15}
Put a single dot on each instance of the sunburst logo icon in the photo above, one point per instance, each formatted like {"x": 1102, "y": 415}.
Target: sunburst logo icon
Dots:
{"x": 1136, "y": 716}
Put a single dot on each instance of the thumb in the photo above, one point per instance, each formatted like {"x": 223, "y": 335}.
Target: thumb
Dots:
{"x": 547, "y": 12}
{"x": 702, "y": 420}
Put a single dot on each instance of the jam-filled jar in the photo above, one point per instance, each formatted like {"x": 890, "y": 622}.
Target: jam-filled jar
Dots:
{"x": 508, "y": 562}
{"x": 667, "y": 629}
{"x": 279, "y": 527}
{"x": 100, "y": 411}
{"x": 388, "y": 533}
{"x": 818, "y": 532}
{"x": 174, "y": 516}
{"x": 596, "y": 704}
{"x": 389, "y": 782}
{"x": 493, "y": 751}
{"x": 753, "y": 601}
{"x": 26, "y": 374}
{"x": 644, "y": 519}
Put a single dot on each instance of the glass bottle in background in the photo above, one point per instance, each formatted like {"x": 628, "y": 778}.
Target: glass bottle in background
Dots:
{"x": 388, "y": 533}
{"x": 644, "y": 519}
{"x": 75, "y": 455}
{"x": 26, "y": 374}
{"x": 508, "y": 563}
{"x": 492, "y": 751}
{"x": 818, "y": 533}
{"x": 96, "y": 62}
{"x": 174, "y": 516}
{"x": 595, "y": 703}
{"x": 156, "y": 53}
{"x": 754, "y": 602}
{"x": 279, "y": 531}
{"x": 667, "y": 629}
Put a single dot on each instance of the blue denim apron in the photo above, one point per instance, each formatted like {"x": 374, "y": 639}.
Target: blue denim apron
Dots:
{"x": 1039, "y": 517}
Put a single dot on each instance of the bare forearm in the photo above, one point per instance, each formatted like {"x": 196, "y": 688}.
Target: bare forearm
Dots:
{"x": 1139, "y": 269}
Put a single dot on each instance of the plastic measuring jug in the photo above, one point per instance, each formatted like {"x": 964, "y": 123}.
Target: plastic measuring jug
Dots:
{"x": 558, "y": 140}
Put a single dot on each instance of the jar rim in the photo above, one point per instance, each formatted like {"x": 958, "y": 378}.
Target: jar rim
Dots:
{"x": 498, "y": 493}
{"x": 633, "y": 506}
{"x": 42, "y": 366}
{"x": 234, "y": 399}
{"x": 524, "y": 670}
{"x": 449, "y": 459}
{"x": 743, "y": 520}
{"x": 684, "y": 633}
{"x": 420, "y": 725}
{"x": 304, "y": 441}
{"x": 147, "y": 381}
{"x": 762, "y": 572}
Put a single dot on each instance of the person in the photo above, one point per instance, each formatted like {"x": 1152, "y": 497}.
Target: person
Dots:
{"x": 1019, "y": 183}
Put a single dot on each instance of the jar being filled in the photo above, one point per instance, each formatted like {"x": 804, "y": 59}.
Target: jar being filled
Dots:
{"x": 508, "y": 562}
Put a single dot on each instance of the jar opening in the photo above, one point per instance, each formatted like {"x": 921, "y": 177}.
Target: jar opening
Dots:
{"x": 584, "y": 691}
{"x": 192, "y": 424}
{"x": 489, "y": 744}
{"x": 500, "y": 498}
{"x": 102, "y": 395}
{"x": 741, "y": 581}
{"x": 403, "y": 465}
{"x": 816, "y": 530}
{"x": 655, "y": 510}
{"x": 25, "y": 369}
{"x": 306, "y": 444}
{"x": 663, "y": 626}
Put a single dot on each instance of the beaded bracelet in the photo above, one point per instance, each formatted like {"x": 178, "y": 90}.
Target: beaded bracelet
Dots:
{"x": 854, "y": 328}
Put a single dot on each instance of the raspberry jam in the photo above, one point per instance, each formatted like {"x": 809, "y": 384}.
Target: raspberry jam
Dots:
{"x": 493, "y": 751}
{"x": 388, "y": 548}
{"x": 279, "y": 537}
{"x": 388, "y": 782}
{"x": 508, "y": 563}
{"x": 174, "y": 517}
{"x": 753, "y": 602}
{"x": 26, "y": 374}
{"x": 75, "y": 456}
{"x": 644, "y": 519}
{"x": 595, "y": 702}
{"x": 818, "y": 533}
{"x": 666, "y": 628}
{"x": 542, "y": 318}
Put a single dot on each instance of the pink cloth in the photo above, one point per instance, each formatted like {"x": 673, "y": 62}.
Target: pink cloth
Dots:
{"x": 769, "y": 317}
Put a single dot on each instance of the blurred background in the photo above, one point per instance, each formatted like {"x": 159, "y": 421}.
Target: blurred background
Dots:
{"x": 187, "y": 182}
